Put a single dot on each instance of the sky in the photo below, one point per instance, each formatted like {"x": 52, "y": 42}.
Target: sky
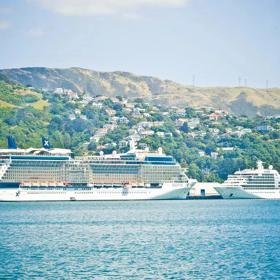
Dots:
{"x": 201, "y": 42}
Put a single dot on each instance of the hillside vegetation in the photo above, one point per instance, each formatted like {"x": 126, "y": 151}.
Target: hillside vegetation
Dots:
{"x": 211, "y": 144}
{"x": 238, "y": 100}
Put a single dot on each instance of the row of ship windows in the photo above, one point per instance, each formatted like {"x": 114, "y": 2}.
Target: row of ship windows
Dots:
{"x": 260, "y": 184}
{"x": 36, "y": 165}
{"x": 267, "y": 192}
{"x": 31, "y": 192}
{"x": 57, "y": 172}
{"x": 46, "y": 188}
{"x": 23, "y": 172}
{"x": 99, "y": 192}
{"x": 166, "y": 174}
{"x": 252, "y": 179}
{"x": 116, "y": 172}
{"x": 130, "y": 170}
{"x": 18, "y": 178}
{"x": 135, "y": 175}
{"x": 33, "y": 174}
{"x": 35, "y": 171}
{"x": 116, "y": 193}
{"x": 83, "y": 188}
{"x": 259, "y": 188}
{"x": 260, "y": 178}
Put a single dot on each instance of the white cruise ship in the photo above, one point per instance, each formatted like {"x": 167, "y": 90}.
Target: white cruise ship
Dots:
{"x": 52, "y": 175}
{"x": 252, "y": 183}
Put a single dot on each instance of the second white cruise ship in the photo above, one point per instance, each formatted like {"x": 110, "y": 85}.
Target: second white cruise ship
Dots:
{"x": 53, "y": 175}
{"x": 252, "y": 183}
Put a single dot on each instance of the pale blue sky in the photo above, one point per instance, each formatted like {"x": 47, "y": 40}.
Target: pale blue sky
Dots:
{"x": 215, "y": 40}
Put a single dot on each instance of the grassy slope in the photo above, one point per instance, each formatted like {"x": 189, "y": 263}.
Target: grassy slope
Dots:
{"x": 26, "y": 119}
{"x": 6, "y": 105}
{"x": 40, "y": 105}
{"x": 149, "y": 88}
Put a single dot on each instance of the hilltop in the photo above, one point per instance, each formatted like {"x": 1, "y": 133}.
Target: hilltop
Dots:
{"x": 237, "y": 100}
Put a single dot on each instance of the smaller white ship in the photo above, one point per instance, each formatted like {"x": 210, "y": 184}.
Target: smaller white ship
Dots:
{"x": 252, "y": 183}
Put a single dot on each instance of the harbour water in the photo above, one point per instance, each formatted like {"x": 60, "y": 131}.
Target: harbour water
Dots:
{"x": 214, "y": 239}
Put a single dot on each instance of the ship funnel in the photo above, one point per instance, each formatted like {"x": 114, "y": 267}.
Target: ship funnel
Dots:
{"x": 11, "y": 142}
{"x": 46, "y": 143}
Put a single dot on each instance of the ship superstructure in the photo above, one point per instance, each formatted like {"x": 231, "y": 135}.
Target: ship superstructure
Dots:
{"x": 252, "y": 183}
{"x": 52, "y": 174}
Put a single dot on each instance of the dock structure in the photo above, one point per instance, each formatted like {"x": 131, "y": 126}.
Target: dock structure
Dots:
{"x": 204, "y": 190}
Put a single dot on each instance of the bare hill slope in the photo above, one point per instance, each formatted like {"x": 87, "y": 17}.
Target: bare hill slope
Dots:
{"x": 238, "y": 100}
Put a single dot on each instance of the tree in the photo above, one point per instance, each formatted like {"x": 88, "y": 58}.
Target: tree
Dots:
{"x": 92, "y": 146}
{"x": 209, "y": 149}
{"x": 67, "y": 140}
{"x": 117, "y": 107}
{"x": 190, "y": 112}
{"x": 194, "y": 172}
{"x": 185, "y": 127}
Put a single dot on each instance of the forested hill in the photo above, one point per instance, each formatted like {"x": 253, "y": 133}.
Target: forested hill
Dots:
{"x": 237, "y": 100}
{"x": 210, "y": 143}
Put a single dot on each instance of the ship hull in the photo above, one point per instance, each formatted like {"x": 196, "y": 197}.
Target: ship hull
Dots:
{"x": 102, "y": 194}
{"x": 240, "y": 193}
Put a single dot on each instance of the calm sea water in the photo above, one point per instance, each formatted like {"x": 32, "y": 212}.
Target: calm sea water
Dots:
{"x": 218, "y": 239}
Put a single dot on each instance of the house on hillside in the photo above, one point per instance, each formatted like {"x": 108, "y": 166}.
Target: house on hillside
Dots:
{"x": 179, "y": 122}
{"x": 193, "y": 123}
{"x": 215, "y": 116}
{"x": 264, "y": 128}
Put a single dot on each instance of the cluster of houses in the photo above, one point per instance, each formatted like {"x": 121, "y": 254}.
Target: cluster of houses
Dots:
{"x": 72, "y": 95}
{"x": 204, "y": 121}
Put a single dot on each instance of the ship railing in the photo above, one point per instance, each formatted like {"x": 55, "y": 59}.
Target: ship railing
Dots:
{"x": 42, "y": 184}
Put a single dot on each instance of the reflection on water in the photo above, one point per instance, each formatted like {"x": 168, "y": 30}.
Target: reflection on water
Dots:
{"x": 150, "y": 239}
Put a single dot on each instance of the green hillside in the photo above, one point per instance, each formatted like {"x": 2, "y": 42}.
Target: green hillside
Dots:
{"x": 18, "y": 115}
{"x": 29, "y": 114}
{"x": 210, "y": 144}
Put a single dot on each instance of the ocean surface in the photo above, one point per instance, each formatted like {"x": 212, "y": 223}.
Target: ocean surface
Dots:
{"x": 214, "y": 239}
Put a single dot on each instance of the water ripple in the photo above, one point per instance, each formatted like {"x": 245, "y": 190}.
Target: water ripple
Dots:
{"x": 140, "y": 240}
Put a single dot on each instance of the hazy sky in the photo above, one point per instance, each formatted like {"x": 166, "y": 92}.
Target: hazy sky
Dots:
{"x": 215, "y": 40}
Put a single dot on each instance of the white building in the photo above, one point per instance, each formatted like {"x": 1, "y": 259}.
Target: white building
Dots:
{"x": 147, "y": 132}
{"x": 201, "y": 153}
{"x": 123, "y": 120}
{"x": 193, "y": 123}
{"x": 179, "y": 122}
{"x": 123, "y": 143}
{"x": 214, "y": 155}
{"x": 160, "y": 134}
